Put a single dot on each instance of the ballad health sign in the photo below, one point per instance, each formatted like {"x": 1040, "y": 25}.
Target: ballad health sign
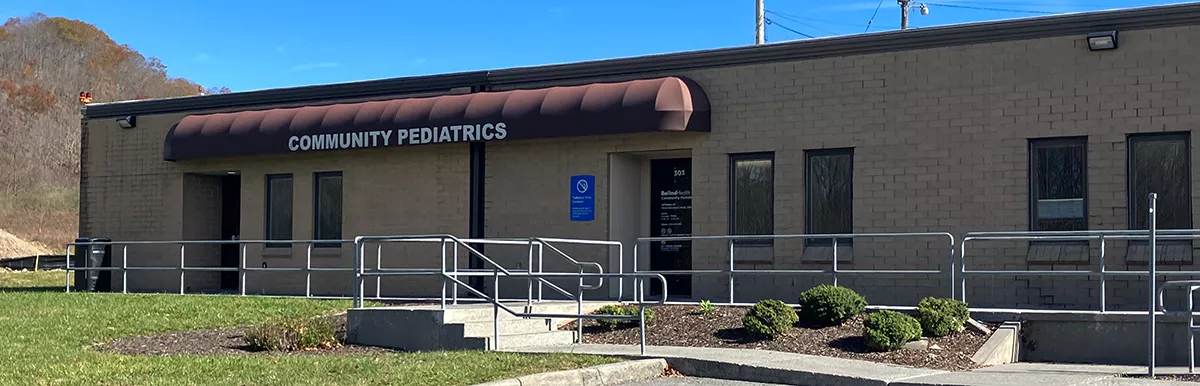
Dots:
{"x": 583, "y": 198}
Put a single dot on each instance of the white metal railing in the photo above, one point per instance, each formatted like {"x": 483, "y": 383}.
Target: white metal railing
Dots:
{"x": 497, "y": 271}
{"x": 1192, "y": 286}
{"x": 183, "y": 268}
{"x": 733, "y": 272}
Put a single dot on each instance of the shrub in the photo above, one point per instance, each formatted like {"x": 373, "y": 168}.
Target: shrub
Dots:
{"x": 831, "y": 305}
{"x": 769, "y": 318}
{"x": 942, "y": 316}
{"x": 889, "y": 330}
{"x": 293, "y": 335}
{"x": 706, "y": 307}
{"x": 625, "y": 310}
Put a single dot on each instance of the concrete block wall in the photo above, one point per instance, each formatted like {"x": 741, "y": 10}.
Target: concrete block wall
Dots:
{"x": 940, "y": 140}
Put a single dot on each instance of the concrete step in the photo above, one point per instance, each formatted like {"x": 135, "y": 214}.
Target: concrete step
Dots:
{"x": 507, "y": 326}
{"x": 464, "y": 313}
{"x": 511, "y": 341}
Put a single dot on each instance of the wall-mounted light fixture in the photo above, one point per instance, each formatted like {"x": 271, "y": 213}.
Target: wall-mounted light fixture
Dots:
{"x": 127, "y": 122}
{"x": 1100, "y": 41}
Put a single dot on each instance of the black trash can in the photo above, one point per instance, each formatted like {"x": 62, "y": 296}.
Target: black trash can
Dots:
{"x": 92, "y": 256}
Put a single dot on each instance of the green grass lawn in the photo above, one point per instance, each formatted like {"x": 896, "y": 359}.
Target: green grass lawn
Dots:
{"x": 46, "y": 337}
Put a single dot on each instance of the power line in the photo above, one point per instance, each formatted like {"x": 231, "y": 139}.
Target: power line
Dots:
{"x": 873, "y": 16}
{"x": 769, "y": 22}
{"x": 818, "y": 20}
{"x": 801, "y": 22}
{"x": 993, "y": 9}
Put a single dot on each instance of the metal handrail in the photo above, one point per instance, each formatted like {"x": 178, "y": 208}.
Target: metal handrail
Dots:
{"x": 1101, "y": 270}
{"x": 360, "y": 245}
{"x": 1192, "y": 286}
{"x": 732, "y": 270}
{"x": 182, "y": 267}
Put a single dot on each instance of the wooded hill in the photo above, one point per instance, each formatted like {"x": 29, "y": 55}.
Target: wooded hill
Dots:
{"x": 45, "y": 62}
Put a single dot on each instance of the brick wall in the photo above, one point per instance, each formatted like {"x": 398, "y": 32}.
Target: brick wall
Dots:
{"x": 940, "y": 138}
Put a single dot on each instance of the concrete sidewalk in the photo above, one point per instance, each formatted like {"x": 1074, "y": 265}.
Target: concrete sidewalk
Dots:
{"x": 789, "y": 368}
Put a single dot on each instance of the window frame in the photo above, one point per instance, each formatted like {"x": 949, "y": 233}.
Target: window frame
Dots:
{"x": 808, "y": 213}
{"x": 1036, "y": 143}
{"x": 269, "y": 200}
{"x": 316, "y": 223}
{"x": 734, "y": 158}
{"x": 1130, "y": 141}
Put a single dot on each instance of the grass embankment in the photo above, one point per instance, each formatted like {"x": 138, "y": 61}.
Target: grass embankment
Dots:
{"x": 48, "y": 334}
{"x": 49, "y": 216}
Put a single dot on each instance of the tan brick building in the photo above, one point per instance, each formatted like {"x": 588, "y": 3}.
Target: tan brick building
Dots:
{"x": 999, "y": 126}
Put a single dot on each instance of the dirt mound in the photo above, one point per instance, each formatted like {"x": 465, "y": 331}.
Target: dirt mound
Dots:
{"x": 12, "y": 246}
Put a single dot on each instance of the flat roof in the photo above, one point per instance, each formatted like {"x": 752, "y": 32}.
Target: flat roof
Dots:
{"x": 899, "y": 40}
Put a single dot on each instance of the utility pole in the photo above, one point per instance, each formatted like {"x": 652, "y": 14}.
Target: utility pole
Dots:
{"x": 903, "y": 13}
{"x": 760, "y": 33}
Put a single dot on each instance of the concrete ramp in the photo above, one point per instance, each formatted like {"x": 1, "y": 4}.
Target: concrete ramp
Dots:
{"x": 464, "y": 326}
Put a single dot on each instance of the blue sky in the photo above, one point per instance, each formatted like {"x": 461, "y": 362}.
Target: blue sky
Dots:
{"x": 249, "y": 44}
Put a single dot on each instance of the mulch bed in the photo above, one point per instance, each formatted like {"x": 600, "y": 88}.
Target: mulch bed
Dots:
{"x": 222, "y": 341}
{"x": 678, "y": 325}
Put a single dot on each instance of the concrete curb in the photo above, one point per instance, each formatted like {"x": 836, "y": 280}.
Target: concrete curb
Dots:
{"x": 602, "y": 375}
{"x": 749, "y": 373}
{"x": 1002, "y": 347}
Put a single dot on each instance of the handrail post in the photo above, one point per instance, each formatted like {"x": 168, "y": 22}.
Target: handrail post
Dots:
{"x": 181, "y": 265}
{"x": 242, "y": 268}
{"x": 642, "y": 322}
{"x": 67, "y": 267}
{"x": 379, "y": 267}
{"x": 454, "y": 288}
{"x": 541, "y": 269}
{"x": 962, "y": 270}
{"x": 621, "y": 270}
{"x": 731, "y": 272}
{"x": 308, "y": 271}
{"x": 1153, "y": 279}
{"x": 835, "y": 281}
{"x": 496, "y": 309}
{"x": 529, "y": 279}
{"x": 443, "y": 299}
{"x": 1103, "y": 273}
{"x": 579, "y": 308}
{"x": 124, "y": 269}
{"x": 951, "y": 270}
{"x": 1191, "y": 330}
{"x": 357, "y": 284}
{"x": 634, "y": 269}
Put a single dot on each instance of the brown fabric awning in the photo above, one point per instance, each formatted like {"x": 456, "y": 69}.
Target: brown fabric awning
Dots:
{"x": 663, "y": 104}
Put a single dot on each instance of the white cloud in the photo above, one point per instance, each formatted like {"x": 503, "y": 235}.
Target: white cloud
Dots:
{"x": 557, "y": 10}
{"x": 418, "y": 62}
{"x": 280, "y": 49}
{"x": 313, "y": 66}
{"x": 203, "y": 57}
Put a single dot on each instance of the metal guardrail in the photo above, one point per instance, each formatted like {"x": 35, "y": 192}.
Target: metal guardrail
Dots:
{"x": 1100, "y": 270}
{"x": 1192, "y": 286}
{"x": 732, "y": 272}
{"x": 183, "y": 268}
{"x": 497, "y": 271}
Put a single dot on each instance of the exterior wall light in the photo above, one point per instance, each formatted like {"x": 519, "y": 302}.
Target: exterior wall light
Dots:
{"x": 1100, "y": 41}
{"x": 127, "y": 122}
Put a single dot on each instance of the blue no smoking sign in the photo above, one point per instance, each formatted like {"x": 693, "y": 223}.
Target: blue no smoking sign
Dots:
{"x": 583, "y": 198}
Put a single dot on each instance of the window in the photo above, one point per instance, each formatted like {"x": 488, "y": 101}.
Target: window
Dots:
{"x": 1058, "y": 184}
{"x": 279, "y": 209}
{"x": 752, "y": 201}
{"x": 828, "y": 181}
{"x": 327, "y": 198}
{"x": 1159, "y": 163}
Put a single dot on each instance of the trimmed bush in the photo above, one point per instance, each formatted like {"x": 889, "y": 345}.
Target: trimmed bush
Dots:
{"x": 889, "y": 330}
{"x": 769, "y": 318}
{"x": 625, "y": 310}
{"x": 942, "y": 316}
{"x": 293, "y": 335}
{"x": 830, "y": 305}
